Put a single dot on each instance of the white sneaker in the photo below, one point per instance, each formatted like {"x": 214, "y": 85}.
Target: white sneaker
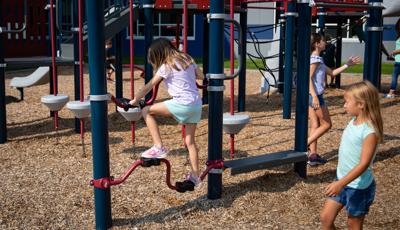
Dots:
{"x": 389, "y": 95}
{"x": 196, "y": 180}
{"x": 155, "y": 152}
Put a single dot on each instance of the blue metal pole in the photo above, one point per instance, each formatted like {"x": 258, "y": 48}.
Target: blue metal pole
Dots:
{"x": 206, "y": 54}
{"x": 3, "y": 119}
{"x": 243, "y": 52}
{"x": 288, "y": 72}
{"x": 148, "y": 6}
{"x": 215, "y": 96}
{"x": 375, "y": 30}
{"x": 99, "y": 120}
{"x": 282, "y": 21}
{"x": 303, "y": 79}
{"x": 77, "y": 84}
{"x": 321, "y": 20}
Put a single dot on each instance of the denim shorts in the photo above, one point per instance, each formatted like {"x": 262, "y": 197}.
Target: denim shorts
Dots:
{"x": 356, "y": 201}
{"x": 184, "y": 114}
{"x": 320, "y": 99}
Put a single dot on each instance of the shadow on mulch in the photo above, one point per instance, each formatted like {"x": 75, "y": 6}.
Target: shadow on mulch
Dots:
{"x": 11, "y": 99}
{"x": 263, "y": 184}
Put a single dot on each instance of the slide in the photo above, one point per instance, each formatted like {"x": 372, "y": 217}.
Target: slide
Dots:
{"x": 39, "y": 77}
{"x": 392, "y": 8}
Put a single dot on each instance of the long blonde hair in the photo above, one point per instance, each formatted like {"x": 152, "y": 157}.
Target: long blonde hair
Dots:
{"x": 365, "y": 92}
{"x": 162, "y": 51}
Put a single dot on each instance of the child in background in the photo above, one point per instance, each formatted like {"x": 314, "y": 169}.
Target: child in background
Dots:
{"x": 396, "y": 70}
{"x": 179, "y": 72}
{"x": 318, "y": 113}
{"x": 355, "y": 185}
{"x": 109, "y": 60}
{"x": 329, "y": 56}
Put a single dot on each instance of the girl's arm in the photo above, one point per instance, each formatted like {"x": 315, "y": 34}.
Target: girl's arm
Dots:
{"x": 367, "y": 153}
{"x": 146, "y": 89}
{"x": 199, "y": 74}
{"x": 352, "y": 61}
{"x": 395, "y": 52}
{"x": 313, "y": 93}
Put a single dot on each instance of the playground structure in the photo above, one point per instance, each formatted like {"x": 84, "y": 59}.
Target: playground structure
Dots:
{"x": 216, "y": 78}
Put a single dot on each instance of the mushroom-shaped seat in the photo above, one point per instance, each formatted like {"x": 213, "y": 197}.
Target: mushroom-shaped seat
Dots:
{"x": 81, "y": 109}
{"x": 133, "y": 114}
{"x": 232, "y": 124}
{"x": 55, "y": 102}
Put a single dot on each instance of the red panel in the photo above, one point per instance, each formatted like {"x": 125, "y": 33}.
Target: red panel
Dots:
{"x": 31, "y": 42}
{"x": 163, "y": 4}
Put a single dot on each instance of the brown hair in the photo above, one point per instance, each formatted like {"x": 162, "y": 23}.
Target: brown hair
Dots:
{"x": 365, "y": 92}
{"x": 315, "y": 37}
{"x": 162, "y": 51}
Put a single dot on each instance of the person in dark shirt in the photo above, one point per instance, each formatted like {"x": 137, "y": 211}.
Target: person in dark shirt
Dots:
{"x": 109, "y": 60}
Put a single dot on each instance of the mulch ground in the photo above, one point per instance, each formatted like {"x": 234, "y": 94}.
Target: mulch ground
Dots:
{"x": 45, "y": 175}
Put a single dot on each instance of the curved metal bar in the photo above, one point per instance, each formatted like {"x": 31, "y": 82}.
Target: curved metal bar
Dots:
{"x": 168, "y": 175}
{"x": 107, "y": 182}
{"x": 215, "y": 164}
{"x": 5, "y": 30}
{"x": 239, "y": 28}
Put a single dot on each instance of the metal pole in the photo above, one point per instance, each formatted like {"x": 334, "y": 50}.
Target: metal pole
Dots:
{"x": 321, "y": 20}
{"x": 3, "y": 119}
{"x": 148, "y": 6}
{"x": 215, "y": 93}
{"x": 99, "y": 120}
{"x": 75, "y": 24}
{"x": 118, "y": 40}
{"x": 339, "y": 47}
{"x": 303, "y": 79}
{"x": 282, "y": 21}
{"x": 243, "y": 52}
{"x": 206, "y": 33}
{"x": 288, "y": 72}
{"x": 375, "y": 30}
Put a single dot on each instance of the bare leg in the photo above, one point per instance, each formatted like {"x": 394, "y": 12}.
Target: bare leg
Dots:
{"x": 192, "y": 148}
{"x": 355, "y": 223}
{"x": 148, "y": 115}
{"x": 329, "y": 213}
{"x": 314, "y": 124}
{"x": 325, "y": 124}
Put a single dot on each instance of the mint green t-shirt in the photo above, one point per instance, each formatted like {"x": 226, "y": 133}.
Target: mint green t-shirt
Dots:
{"x": 397, "y": 57}
{"x": 350, "y": 154}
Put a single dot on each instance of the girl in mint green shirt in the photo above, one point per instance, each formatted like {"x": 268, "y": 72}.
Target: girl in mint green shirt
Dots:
{"x": 354, "y": 188}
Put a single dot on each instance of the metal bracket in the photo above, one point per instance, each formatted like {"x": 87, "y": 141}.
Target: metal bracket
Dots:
{"x": 376, "y": 4}
{"x": 104, "y": 97}
{"x": 1, "y": 29}
{"x": 75, "y": 29}
{"x": 3, "y": 65}
{"x": 216, "y": 171}
{"x": 216, "y": 76}
{"x": 322, "y": 13}
{"x": 292, "y": 14}
{"x": 218, "y": 16}
{"x": 47, "y": 7}
{"x": 303, "y": 1}
{"x": 375, "y": 28}
{"x": 215, "y": 88}
{"x": 145, "y": 6}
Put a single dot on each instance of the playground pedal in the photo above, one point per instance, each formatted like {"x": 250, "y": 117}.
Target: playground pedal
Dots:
{"x": 148, "y": 162}
{"x": 184, "y": 186}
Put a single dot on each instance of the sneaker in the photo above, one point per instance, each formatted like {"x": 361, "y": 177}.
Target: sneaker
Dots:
{"x": 315, "y": 159}
{"x": 155, "y": 152}
{"x": 389, "y": 95}
{"x": 332, "y": 85}
{"x": 196, "y": 180}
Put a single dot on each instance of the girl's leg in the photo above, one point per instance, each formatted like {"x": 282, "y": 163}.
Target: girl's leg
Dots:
{"x": 148, "y": 115}
{"x": 192, "y": 148}
{"x": 314, "y": 124}
{"x": 355, "y": 223}
{"x": 325, "y": 124}
{"x": 395, "y": 75}
{"x": 329, "y": 213}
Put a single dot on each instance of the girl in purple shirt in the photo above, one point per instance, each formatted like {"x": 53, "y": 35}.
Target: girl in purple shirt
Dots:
{"x": 179, "y": 72}
{"x": 318, "y": 112}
